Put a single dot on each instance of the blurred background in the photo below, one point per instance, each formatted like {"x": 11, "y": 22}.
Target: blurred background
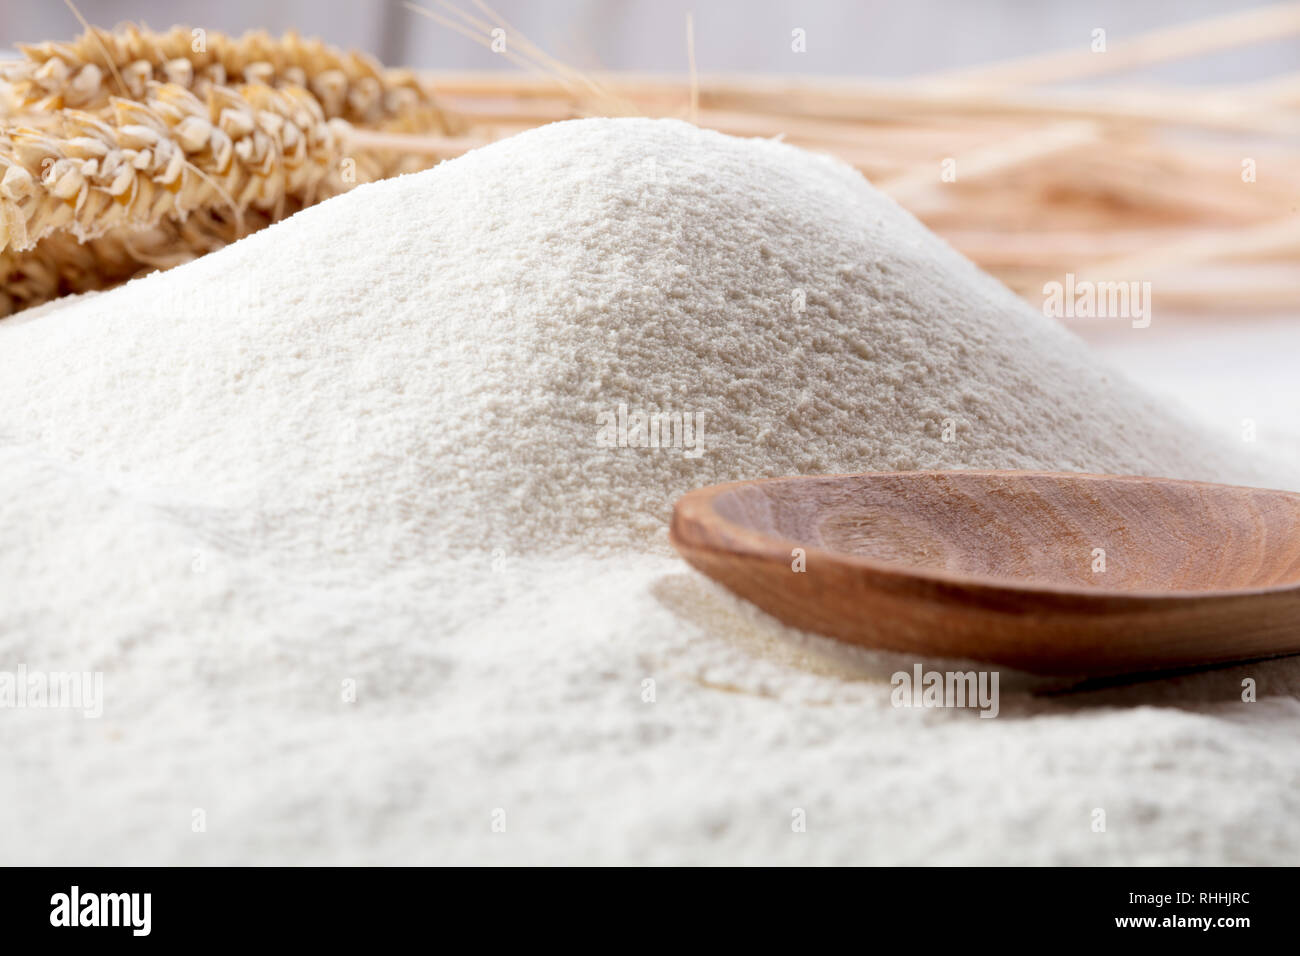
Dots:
{"x": 882, "y": 38}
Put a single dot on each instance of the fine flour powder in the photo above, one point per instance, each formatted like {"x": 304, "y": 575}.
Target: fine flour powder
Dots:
{"x": 353, "y": 519}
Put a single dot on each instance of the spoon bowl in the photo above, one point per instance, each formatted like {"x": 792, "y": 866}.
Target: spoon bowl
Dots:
{"x": 1046, "y": 572}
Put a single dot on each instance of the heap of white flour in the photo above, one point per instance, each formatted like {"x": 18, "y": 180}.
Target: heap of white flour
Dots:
{"x": 353, "y": 520}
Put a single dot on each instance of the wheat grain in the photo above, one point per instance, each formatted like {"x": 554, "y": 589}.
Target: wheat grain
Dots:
{"x": 205, "y": 147}
{"x": 348, "y": 84}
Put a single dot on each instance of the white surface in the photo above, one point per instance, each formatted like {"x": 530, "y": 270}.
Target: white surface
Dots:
{"x": 231, "y": 511}
{"x": 1227, "y": 372}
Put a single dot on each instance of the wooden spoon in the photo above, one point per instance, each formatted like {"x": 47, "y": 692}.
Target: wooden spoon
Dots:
{"x": 1048, "y": 573}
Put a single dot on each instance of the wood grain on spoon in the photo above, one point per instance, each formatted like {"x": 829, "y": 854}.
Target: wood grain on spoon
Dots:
{"x": 1048, "y": 573}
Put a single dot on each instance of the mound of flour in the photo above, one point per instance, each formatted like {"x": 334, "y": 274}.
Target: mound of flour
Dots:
{"x": 356, "y": 519}
{"x": 460, "y": 356}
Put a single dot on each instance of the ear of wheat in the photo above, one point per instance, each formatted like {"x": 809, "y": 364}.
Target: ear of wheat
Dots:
{"x": 204, "y": 147}
{"x": 86, "y": 73}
